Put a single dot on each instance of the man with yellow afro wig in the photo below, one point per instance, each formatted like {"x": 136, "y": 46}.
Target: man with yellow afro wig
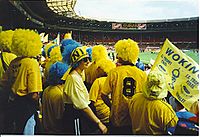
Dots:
{"x": 23, "y": 77}
{"x": 6, "y": 57}
{"x": 91, "y": 73}
{"x": 122, "y": 83}
{"x": 102, "y": 110}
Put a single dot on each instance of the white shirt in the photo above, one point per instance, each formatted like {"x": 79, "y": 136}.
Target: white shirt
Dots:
{"x": 75, "y": 91}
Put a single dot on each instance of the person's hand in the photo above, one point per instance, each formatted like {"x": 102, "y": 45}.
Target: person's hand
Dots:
{"x": 34, "y": 95}
{"x": 102, "y": 127}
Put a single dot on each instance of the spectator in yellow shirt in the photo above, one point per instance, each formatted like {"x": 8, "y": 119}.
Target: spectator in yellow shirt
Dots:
{"x": 92, "y": 72}
{"x": 23, "y": 77}
{"x": 122, "y": 83}
{"x": 5, "y": 58}
{"x": 102, "y": 110}
{"x": 52, "y": 100}
{"x": 150, "y": 113}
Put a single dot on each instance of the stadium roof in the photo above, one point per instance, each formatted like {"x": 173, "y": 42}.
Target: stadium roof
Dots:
{"x": 44, "y": 9}
{"x": 63, "y": 7}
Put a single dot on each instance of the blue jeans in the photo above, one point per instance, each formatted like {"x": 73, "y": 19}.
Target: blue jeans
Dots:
{"x": 30, "y": 126}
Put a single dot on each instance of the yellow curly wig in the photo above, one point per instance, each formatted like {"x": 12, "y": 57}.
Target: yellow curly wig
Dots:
{"x": 127, "y": 50}
{"x": 55, "y": 54}
{"x": 6, "y": 40}
{"x": 26, "y": 43}
{"x": 106, "y": 64}
{"x": 68, "y": 35}
{"x": 99, "y": 52}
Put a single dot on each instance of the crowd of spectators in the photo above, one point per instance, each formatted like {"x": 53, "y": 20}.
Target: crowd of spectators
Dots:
{"x": 75, "y": 89}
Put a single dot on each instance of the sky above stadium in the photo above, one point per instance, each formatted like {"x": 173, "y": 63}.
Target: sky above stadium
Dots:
{"x": 137, "y": 10}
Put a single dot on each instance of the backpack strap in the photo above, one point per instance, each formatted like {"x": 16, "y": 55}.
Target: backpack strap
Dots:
{"x": 5, "y": 66}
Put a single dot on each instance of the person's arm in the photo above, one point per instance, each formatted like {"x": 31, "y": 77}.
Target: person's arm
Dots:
{"x": 107, "y": 88}
{"x": 92, "y": 107}
{"x": 93, "y": 94}
{"x": 92, "y": 116}
{"x": 106, "y": 100}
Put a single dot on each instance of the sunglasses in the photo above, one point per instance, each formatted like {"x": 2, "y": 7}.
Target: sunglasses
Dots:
{"x": 86, "y": 59}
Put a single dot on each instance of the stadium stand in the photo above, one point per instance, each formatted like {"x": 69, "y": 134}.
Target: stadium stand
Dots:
{"x": 151, "y": 33}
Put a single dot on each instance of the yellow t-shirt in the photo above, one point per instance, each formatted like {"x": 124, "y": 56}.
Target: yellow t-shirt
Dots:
{"x": 75, "y": 91}
{"x": 52, "y": 108}
{"x": 90, "y": 74}
{"x": 123, "y": 82}
{"x": 151, "y": 117}
{"x": 25, "y": 75}
{"x": 7, "y": 57}
{"x": 102, "y": 110}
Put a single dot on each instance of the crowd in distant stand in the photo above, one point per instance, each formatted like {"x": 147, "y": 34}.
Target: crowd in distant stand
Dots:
{"x": 72, "y": 89}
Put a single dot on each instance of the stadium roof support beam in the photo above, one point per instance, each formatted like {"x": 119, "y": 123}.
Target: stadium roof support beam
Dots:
{"x": 63, "y": 7}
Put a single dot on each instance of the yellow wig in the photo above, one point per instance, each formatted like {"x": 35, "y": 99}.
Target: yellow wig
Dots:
{"x": 127, "y": 50}
{"x": 99, "y": 52}
{"x": 6, "y": 40}
{"x": 68, "y": 35}
{"x": 106, "y": 64}
{"x": 26, "y": 43}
